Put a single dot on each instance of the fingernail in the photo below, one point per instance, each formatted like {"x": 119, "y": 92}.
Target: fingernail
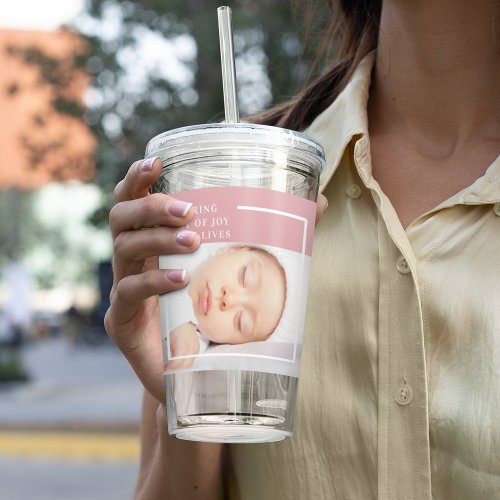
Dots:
{"x": 176, "y": 275}
{"x": 147, "y": 164}
{"x": 185, "y": 237}
{"x": 179, "y": 208}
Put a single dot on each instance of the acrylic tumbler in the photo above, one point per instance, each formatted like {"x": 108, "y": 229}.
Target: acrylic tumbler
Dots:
{"x": 254, "y": 191}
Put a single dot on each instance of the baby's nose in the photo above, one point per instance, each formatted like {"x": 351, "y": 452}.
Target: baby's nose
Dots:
{"x": 227, "y": 299}
{"x": 224, "y": 299}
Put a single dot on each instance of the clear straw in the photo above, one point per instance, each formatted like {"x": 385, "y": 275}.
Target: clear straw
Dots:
{"x": 227, "y": 61}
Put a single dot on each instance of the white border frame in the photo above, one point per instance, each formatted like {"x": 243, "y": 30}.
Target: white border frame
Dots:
{"x": 303, "y": 255}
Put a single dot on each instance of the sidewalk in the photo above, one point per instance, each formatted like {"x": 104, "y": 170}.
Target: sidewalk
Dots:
{"x": 72, "y": 387}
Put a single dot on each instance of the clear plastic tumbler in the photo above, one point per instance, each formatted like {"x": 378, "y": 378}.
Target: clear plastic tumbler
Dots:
{"x": 232, "y": 339}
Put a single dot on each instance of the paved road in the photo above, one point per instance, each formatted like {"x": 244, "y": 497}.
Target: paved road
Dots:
{"x": 42, "y": 479}
{"x": 71, "y": 385}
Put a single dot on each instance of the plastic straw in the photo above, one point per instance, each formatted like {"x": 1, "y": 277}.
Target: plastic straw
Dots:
{"x": 227, "y": 61}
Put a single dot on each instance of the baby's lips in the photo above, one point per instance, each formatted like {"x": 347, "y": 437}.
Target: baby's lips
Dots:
{"x": 209, "y": 299}
{"x": 205, "y": 300}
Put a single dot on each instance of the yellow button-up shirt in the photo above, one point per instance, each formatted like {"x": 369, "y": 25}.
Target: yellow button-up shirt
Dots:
{"x": 399, "y": 393}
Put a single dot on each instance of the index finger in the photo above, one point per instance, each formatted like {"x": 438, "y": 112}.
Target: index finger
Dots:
{"x": 140, "y": 176}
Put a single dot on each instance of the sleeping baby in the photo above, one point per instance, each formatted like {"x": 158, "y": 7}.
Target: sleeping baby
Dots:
{"x": 238, "y": 296}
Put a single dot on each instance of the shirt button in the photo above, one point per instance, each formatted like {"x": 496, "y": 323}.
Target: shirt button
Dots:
{"x": 402, "y": 265}
{"x": 353, "y": 191}
{"x": 496, "y": 209}
{"x": 404, "y": 394}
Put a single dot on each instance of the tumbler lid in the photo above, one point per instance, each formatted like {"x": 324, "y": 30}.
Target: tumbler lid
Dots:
{"x": 199, "y": 139}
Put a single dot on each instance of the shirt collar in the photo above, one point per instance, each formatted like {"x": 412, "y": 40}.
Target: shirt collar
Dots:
{"x": 344, "y": 119}
{"x": 486, "y": 189}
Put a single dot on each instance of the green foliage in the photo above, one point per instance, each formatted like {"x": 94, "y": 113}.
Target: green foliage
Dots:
{"x": 53, "y": 257}
{"x": 11, "y": 368}
{"x": 17, "y": 224}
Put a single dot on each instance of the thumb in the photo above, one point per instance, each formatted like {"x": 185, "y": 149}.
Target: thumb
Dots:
{"x": 322, "y": 204}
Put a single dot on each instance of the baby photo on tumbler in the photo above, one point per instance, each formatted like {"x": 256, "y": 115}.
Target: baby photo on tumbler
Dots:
{"x": 242, "y": 300}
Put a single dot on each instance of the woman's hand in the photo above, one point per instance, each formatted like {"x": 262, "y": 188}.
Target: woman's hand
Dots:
{"x": 144, "y": 226}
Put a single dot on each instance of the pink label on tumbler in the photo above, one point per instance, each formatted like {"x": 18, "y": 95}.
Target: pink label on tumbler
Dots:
{"x": 261, "y": 216}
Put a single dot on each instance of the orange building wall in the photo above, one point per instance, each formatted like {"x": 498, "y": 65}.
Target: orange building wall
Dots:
{"x": 25, "y": 106}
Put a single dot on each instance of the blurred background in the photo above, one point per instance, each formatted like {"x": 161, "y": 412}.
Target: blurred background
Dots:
{"x": 84, "y": 85}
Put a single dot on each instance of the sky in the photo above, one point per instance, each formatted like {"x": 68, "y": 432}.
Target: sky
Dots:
{"x": 38, "y": 14}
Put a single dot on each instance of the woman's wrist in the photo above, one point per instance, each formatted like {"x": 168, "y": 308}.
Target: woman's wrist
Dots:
{"x": 185, "y": 470}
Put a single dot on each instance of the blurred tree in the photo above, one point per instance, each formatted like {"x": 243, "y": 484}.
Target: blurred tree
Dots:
{"x": 13, "y": 240}
{"x": 56, "y": 252}
{"x": 155, "y": 65}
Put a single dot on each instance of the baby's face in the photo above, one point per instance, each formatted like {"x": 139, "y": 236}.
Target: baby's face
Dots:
{"x": 238, "y": 295}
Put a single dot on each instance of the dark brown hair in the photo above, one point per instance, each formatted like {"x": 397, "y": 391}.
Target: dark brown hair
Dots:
{"x": 353, "y": 33}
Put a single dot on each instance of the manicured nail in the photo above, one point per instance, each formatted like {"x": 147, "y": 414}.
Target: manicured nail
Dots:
{"x": 176, "y": 275}
{"x": 179, "y": 208}
{"x": 147, "y": 164}
{"x": 185, "y": 237}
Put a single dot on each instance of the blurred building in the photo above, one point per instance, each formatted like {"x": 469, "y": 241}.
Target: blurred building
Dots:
{"x": 37, "y": 143}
